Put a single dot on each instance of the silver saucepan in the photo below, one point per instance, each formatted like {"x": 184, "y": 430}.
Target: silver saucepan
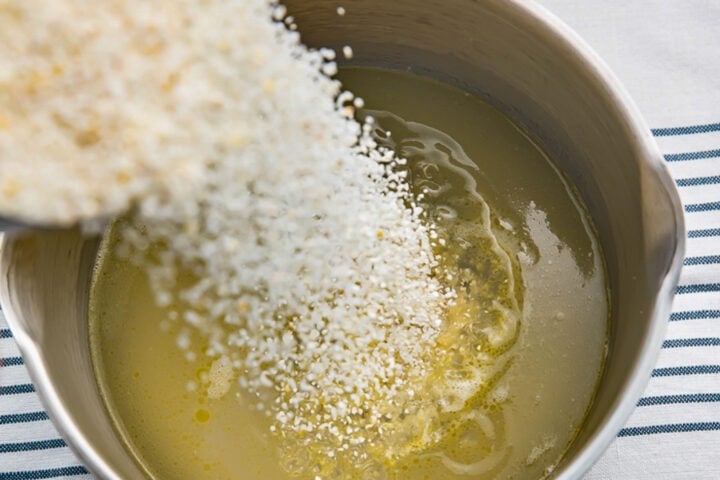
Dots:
{"x": 526, "y": 62}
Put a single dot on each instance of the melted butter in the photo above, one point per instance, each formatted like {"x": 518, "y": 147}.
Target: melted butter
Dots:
{"x": 516, "y": 363}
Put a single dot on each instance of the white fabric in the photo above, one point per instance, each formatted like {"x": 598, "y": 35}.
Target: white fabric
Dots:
{"x": 667, "y": 53}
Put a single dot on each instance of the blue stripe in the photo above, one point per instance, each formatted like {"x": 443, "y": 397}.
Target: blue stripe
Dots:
{"x": 40, "y": 474}
{"x": 692, "y": 370}
{"x": 681, "y": 157}
{"x": 29, "y": 446}
{"x": 709, "y": 232}
{"x": 672, "y": 428}
{"x": 707, "y": 260}
{"x": 697, "y": 181}
{"x": 16, "y": 389}
{"x": 698, "y": 288}
{"x": 23, "y": 417}
{"x": 672, "y": 399}
{"x": 691, "y": 342}
{"x": 11, "y": 361}
{"x": 694, "y": 315}
{"x": 672, "y": 131}
{"x": 5, "y": 333}
{"x": 702, "y": 207}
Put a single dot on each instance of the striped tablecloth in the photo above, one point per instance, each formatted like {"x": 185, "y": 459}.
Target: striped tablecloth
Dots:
{"x": 667, "y": 53}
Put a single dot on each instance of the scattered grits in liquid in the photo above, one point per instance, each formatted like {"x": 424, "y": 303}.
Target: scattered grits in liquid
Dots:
{"x": 513, "y": 368}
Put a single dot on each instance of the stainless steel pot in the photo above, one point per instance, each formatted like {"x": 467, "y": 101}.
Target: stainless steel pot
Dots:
{"x": 519, "y": 57}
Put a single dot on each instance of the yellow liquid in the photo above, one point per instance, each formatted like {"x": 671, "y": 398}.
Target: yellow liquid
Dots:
{"x": 526, "y": 338}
